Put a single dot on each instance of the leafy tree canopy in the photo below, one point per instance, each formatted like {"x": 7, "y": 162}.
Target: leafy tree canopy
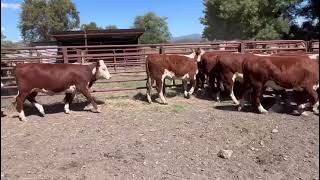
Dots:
{"x": 39, "y": 18}
{"x": 90, "y": 26}
{"x": 111, "y": 27}
{"x": 247, "y": 19}
{"x": 156, "y": 27}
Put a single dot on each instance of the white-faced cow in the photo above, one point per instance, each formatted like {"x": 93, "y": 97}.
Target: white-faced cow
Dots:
{"x": 282, "y": 72}
{"x": 57, "y": 78}
{"x": 161, "y": 66}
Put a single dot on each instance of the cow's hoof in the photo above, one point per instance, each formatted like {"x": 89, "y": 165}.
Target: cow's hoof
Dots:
{"x": 42, "y": 114}
{"x": 96, "y": 110}
{"x": 187, "y": 96}
{"x": 296, "y": 113}
{"x": 24, "y": 119}
{"x": 165, "y": 103}
{"x": 67, "y": 112}
{"x": 305, "y": 113}
{"x": 239, "y": 108}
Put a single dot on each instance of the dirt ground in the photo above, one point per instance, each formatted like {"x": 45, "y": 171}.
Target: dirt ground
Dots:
{"x": 132, "y": 139}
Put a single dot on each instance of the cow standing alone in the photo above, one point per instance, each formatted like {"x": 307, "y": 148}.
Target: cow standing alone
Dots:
{"x": 57, "y": 78}
{"x": 161, "y": 66}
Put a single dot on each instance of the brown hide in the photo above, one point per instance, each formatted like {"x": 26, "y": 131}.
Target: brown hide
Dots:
{"x": 54, "y": 77}
{"x": 290, "y": 72}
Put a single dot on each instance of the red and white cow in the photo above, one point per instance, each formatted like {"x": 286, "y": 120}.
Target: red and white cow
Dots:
{"x": 161, "y": 66}
{"x": 281, "y": 72}
{"x": 33, "y": 78}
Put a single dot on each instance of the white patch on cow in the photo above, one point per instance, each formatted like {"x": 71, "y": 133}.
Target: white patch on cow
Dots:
{"x": 71, "y": 89}
{"x": 191, "y": 56}
{"x": 262, "y": 110}
{"x": 185, "y": 85}
{"x": 103, "y": 72}
{"x": 167, "y": 73}
{"x": 233, "y": 97}
{"x": 199, "y": 56}
{"x": 239, "y": 77}
{"x": 22, "y": 116}
{"x": 186, "y": 76}
{"x": 1, "y": 84}
{"x": 66, "y": 108}
{"x": 304, "y": 105}
{"x": 191, "y": 91}
{"x": 94, "y": 70}
{"x": 164, "y": 101}
{"x": 315, "y": 87}
{"x": 39, "y": 107}
{"x": 313, "y": 56}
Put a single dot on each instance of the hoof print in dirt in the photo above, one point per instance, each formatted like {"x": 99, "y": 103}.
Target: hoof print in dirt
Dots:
{"x": 225, "y": 154}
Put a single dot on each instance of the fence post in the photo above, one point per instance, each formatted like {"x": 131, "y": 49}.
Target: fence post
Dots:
{"x": 161, "y": 50}
{"x": 241, "y": 47}
{"x": 79, "y": 55}
{"x": 114, "y": 60}
{"x": 65, "y": 55}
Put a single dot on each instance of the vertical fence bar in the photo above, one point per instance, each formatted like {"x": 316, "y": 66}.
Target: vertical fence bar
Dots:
{"x": 65, "y": 55}
{"x": 114, "y": 60}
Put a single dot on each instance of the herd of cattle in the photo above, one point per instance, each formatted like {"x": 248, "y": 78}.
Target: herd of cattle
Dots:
{"x": 220, "y": 70}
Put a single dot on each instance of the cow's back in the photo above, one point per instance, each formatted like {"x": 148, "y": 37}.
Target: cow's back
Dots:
{"x": 288, "y": 71}
{"x": 178, "y": 64}
{"x": 54, "y": 77}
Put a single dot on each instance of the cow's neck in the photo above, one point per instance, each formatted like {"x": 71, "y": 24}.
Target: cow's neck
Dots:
{"x": 93, "y": 77}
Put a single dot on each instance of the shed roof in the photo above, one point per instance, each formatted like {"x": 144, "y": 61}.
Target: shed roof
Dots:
{"x": 110, "y": 36}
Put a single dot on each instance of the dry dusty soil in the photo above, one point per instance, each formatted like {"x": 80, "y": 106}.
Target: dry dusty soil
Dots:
{"x": 132, "y": 139}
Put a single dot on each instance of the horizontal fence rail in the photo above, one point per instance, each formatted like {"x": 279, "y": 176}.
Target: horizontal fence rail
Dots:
{"x": 126, "y": 63}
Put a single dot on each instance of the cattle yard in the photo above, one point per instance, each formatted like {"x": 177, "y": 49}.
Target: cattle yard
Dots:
{"x": 132, "y": 139}
{"x": 127, "y": 62}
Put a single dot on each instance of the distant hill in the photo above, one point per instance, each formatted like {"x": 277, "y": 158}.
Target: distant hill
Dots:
{"x": 187, "y": 38}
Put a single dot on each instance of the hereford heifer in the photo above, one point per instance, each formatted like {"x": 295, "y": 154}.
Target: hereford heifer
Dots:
{"x": 206, "y": 68}
{"x": 57, "y": 78}
{"x": 282, "y": 72}
{"x": 161, "y": 66}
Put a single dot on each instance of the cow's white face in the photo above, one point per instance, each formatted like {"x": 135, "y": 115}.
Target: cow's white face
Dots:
{"x": 200, "y": 52}
{"x": 103, "y": 72}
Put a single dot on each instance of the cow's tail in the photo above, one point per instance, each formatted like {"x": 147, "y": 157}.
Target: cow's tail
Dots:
{"x": 149, "y": 82}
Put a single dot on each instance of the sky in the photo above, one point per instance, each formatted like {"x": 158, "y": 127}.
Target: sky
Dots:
{"x": 183, "y": 15}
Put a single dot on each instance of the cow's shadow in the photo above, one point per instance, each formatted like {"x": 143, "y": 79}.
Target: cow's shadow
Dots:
{"x": 267, "y": 103}
{"x": 170, "y": 92}
{"x": 57, "y": 107}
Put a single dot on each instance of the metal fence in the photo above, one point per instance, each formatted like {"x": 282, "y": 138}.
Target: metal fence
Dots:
{"x": 126, "y": 63}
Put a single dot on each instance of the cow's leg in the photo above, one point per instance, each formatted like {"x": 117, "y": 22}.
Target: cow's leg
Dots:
{"x": 21, "y": 97}
{"x": 159, "y": 84}
{"x": 67, "y": 102}
{"x": 193, "y": 85}
{"x": 31, "y": 97}
{"x": 185, "y": 87}
{"x": 230, "y": 86}
{"x": 257, "y": 93}
{"x": 85, "y": 91}
{"x": 313, "y": 101}
{"x": 149, "y": 85}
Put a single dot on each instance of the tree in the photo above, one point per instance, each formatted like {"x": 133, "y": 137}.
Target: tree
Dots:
{"x": 156, "y": 27}
{"x": 7, "y": 43}
{"x": 247, "y": 19}
{"x": 40, "y": 18}
{"x": 111, "y": 27}
{"x": 90, "y": 26}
